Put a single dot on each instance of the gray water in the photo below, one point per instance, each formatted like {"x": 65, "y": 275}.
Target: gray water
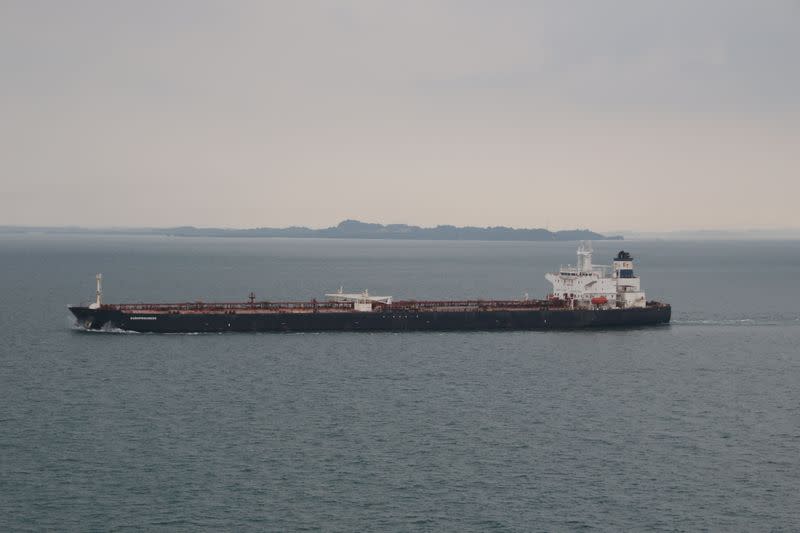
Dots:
{"x": 686, "y": 427}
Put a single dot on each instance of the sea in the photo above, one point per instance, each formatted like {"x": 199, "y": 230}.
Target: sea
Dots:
{"x": 693, "y": 426}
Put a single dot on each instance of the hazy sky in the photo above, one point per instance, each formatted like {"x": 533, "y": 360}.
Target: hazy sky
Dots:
{"x": 640, "y": 115}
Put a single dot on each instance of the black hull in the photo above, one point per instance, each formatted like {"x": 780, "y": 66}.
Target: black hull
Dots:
{"x": 540, "y": 319}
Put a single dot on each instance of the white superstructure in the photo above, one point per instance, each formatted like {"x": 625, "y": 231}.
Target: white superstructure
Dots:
{"x": 362, "y": 301}
{"x": 589, "y": 285}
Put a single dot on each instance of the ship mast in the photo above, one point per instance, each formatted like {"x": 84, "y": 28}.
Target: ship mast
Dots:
{"x": 585, "y": 256}
{"x": 98, "y": 292}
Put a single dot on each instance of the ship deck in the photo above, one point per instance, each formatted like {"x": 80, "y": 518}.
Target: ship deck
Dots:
{"x": 265, "y": 307}
{"x": 334, "y": 307}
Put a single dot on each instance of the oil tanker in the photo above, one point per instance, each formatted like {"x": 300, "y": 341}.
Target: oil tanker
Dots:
{"x": 583, "y": 296}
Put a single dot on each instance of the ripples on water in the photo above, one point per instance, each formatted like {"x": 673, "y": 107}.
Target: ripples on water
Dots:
{"x": 686, "y": 427}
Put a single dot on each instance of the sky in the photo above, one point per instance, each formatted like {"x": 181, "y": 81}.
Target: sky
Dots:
{"x": 615, "y": 115}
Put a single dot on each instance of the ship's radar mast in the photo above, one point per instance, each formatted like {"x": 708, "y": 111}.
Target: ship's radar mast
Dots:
{"x": 585, "y": 256}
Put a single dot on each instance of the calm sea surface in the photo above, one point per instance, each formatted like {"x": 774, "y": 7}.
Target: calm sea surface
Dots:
{"x": 686, "y": 427}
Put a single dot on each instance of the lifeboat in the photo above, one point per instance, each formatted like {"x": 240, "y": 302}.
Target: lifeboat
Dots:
{"x": 599, "y": 300}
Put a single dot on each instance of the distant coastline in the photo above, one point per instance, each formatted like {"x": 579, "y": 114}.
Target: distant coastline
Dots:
{"x": 347, "y": 229}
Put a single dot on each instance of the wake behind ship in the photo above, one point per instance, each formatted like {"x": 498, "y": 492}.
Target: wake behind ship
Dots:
{"x": 583, "y": 296}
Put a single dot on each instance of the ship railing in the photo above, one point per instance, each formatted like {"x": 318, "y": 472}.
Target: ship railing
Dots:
{"x": 477, "y": 305}
{"x": 231, "y": 306}
{"x": 332, "y": 306}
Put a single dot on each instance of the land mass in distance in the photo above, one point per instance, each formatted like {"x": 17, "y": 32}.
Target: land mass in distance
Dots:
{"x": 347, "y": 229}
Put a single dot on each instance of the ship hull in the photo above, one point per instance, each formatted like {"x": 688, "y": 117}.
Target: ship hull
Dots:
{"x": 385, "y": 320}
